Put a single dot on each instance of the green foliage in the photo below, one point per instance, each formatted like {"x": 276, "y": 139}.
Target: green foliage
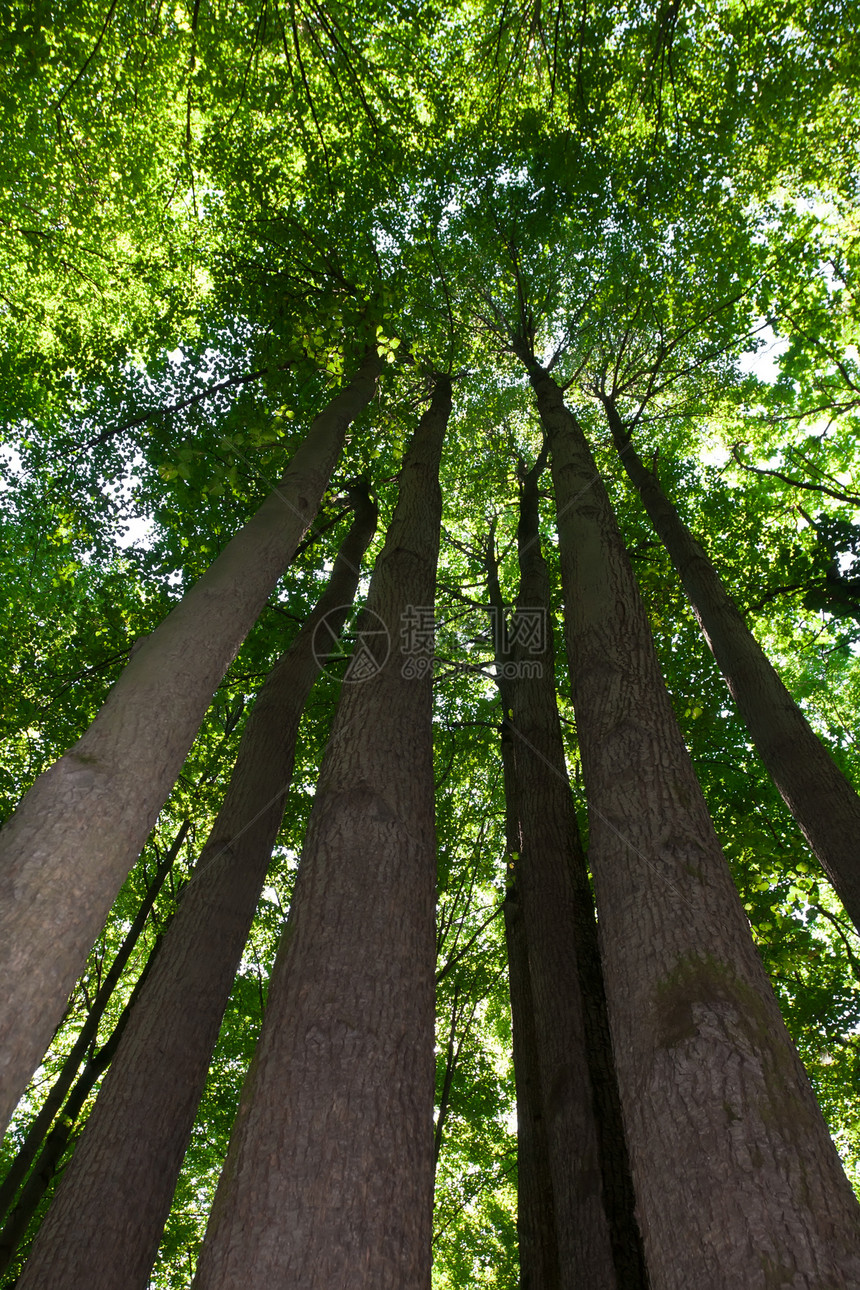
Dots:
{"x": 209, "y": 213}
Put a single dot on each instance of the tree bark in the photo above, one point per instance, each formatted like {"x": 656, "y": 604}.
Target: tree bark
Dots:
{"x": 329, "y": 1175}
{"x": 536, "y": 1223}
{"x": 598, "y": 1239}
{"x": 737, "y": 1180}
{"x": 57, "y": 1140}
{"x": 104, "y": 1227}
{"x": 559, "y": 878}
{"x": 67, "y": 849}
{"x": 536, "y": 1218}
{"x": 43, "y": 1119}
{"x": 813, "y": 787}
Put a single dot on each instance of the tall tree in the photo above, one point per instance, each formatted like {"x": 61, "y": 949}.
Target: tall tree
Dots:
{"x": 537, "y": 1229}
{"x": 105, "y": 1224}
{"x": 198, "y": 200}
{"x": 555, "y": 879}
{"x": 702, "y": 1054}
{"x": 66, "y": 851}
{"x": 329, "y": 1175}
{"x": 813, "y": 787}
{"x": 586, "y": 1145}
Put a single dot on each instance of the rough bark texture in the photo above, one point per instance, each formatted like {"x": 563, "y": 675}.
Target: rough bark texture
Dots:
{"x": 66, "y": 851}
{"x": 57, "y": 1141}
{"x": 737, "y": 1181}
{"x": 43, "y": 1120}
{"x": 598, "y": 1239}
{"x": 536, "y": 1230}
{"x": 562, "y": 936}
{"x": 813, "y": 787}
{"x": 329, "y": 1176}
{"x": 104, "y": 1227}
{"x": 536, "y": 1220}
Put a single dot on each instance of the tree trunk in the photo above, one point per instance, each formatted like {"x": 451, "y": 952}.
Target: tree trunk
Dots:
{"x": 538, "y": 737}
{"x": 67, "y": 849}
{"x": 104, "y": 1227}
{"x": 813, "y": 787}
{"x": 737, "y": 1180}
{"x": 463, "y": 1012}
{"x": 593, "y": 1198}
{"x": 536, "y": 1218}
{"x": 329, "y": 1175}
{"x": 43, "y": 1120}
{"x": 57, "y": 1141}
{"x": 536, "y": 1223}
{"x": 451, "y": 1055}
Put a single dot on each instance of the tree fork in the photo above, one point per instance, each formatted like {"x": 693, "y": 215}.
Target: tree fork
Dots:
{"x": 66, "y": 851}
{"x": 104, "y": 1227}
{"x": 820, "y": 798}
{"x": 737, "y": 1179}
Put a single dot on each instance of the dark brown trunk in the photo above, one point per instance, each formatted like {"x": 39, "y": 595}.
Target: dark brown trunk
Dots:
{"x": 737, "y": 1180}
{"x": 813, "y": 787}
{"x": 536, "y": 1219}
{"x": 43, "y": 1120}
{"x": 329, "y": 1176}
{"x": 66, "y": 851}
{"x": 58, "y": 1139}
{"x": 450, "y": 1066}
{"x": 463, "y": 1011}
{"x": 536, "y": 1232}
{"x": 104, "y": 1227}
{"x": 597, "y": 1235}
{"x": 562, "y": 892}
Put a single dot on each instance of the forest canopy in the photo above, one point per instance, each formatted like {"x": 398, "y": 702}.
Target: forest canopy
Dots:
{"x": 425, "y": 412}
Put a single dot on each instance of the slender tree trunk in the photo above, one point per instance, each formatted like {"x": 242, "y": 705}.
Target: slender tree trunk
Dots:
{"x": 57, "y": 1140}
{"x": 42, "y": 1121}
{"x": 813, "y": 787}
{"x": 104, "y": 1227}
{"x": 737, "y": 1180}
{"x": 66, "y": 851}
{"x": 593, "y": 1197}
{"x": 450, "y": 1066}
{"x": 462, "y": 1019}
{"x": 539, "y": 747}
{"x": 329, "y": 1175}
{"x": 536, "y": 1217}
{"x": 536, "y": 1223}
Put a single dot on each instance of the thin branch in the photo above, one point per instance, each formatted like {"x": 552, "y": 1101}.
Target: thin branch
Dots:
{"x": 90, "y": 58}
{"x": 456, "y": 958}
{"x": 232, "y": 382}
{"x": 851, "y": 498}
